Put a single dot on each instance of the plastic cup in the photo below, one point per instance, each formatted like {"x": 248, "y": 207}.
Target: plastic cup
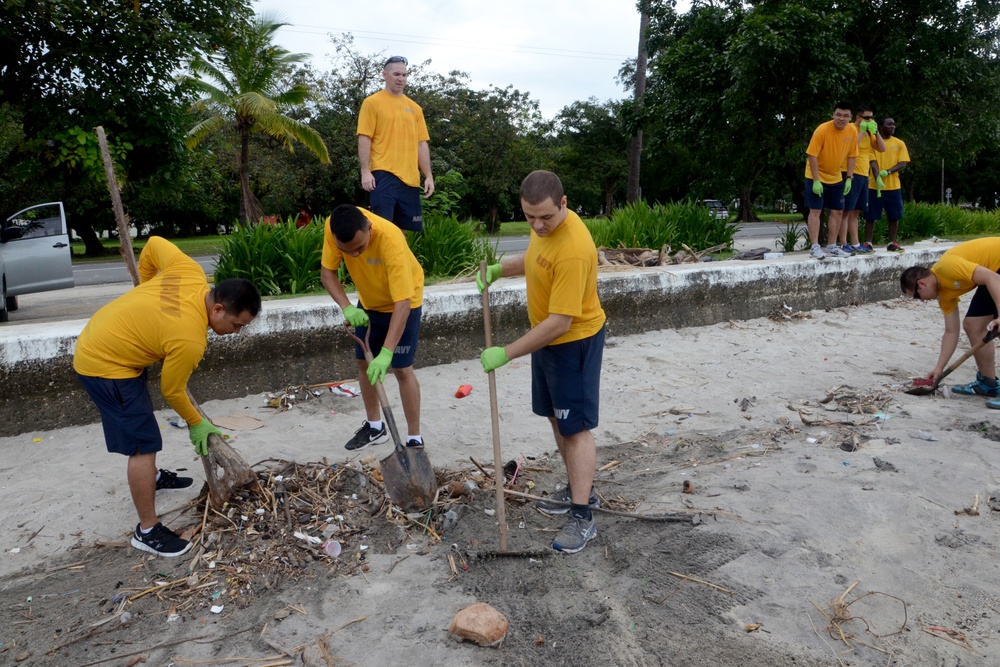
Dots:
{"x": 332, "y": 548}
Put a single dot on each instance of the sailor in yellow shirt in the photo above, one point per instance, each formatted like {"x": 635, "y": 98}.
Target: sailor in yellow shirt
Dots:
{"x": 164, "y": 318}
{"x": 832, "y": 143}
{"x": 856, "y": 201}
{"x": 390, "y": 284}
{"x": 884, "y": 189}
{"x": 967, "y": 266}
{"x": 566, "y": 344}
{"x": 392, "y": 142}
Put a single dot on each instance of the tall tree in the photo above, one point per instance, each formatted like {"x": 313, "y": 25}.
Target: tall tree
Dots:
{"x": 592, "y": 158}
{"x": 246, "y": 91}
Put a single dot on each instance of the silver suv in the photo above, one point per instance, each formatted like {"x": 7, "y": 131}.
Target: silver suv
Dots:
{"x": 35, "y": 255}
{"x": 718, "y": 209}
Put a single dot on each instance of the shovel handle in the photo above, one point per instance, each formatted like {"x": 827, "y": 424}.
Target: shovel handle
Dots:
{"x": 498, "y": 476}
{"x": 990, "y": 335}
{"x": 379, "y": 389}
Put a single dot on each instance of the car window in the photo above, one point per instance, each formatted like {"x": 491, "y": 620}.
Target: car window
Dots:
{"x": 37, "y": 223}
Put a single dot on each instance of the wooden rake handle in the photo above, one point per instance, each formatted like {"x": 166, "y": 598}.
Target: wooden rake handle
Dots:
{"x": 498, "y": 476}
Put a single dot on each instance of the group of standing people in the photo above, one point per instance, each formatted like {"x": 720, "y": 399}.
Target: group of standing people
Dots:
{"x": 166, "y": 317}
{"x": 852, "y": 169}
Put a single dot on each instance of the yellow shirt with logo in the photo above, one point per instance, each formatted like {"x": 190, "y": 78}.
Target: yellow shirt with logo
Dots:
{"x": 895, "y": 152}
{"x": 163, "y": 318}
{"x": 866, "y": 153}
{"x": 831, "y": 148}
{"x": 561, "y": 277}
{"x": 386, "y": 272}
{"x": 395, "y": 124}
{"x": 955, "y": 267}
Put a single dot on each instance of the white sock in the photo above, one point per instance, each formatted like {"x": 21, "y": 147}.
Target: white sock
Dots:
{"x": 415, "y": 437}
{"x": 145, "y": 531}
{"x": 157, "y": 475}
{"x": 375, "y": 425}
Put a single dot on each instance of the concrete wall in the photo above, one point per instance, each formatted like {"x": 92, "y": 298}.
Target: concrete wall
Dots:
{"x": 301, "y": 341}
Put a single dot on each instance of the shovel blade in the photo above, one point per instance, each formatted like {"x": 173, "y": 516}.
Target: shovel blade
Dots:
{"x": 922, "y": 390}
{"x": 409, "y": 478}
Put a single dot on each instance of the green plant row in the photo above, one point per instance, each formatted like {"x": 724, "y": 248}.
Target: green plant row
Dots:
{"x": 640, "y": 225}
{"x": 283, "y": 259}
{"x": 921, "y": 221}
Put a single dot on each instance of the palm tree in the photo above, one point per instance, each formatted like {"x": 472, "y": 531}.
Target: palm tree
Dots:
{"x": 246, "y": 87}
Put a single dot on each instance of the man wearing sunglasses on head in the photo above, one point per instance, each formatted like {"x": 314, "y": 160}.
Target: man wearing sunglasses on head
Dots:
{"x": 967, "y": 266}
{"x": 392, "y": 144}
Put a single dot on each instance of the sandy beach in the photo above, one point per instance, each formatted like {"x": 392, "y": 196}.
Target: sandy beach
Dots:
{"x": 834, "y": 520}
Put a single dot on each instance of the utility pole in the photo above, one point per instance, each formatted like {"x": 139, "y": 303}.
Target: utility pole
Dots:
{"x": 635, "y": 150}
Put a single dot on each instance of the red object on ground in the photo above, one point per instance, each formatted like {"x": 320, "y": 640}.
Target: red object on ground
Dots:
{"x": 923, "y": 382}
{"x": 463, "y": 391}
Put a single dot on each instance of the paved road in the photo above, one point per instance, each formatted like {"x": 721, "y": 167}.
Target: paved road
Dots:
{"x": 100, "y": 282}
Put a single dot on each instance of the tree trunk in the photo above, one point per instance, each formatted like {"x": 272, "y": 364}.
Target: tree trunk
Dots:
{"x": 250, "y": 208}
{"x": 492, "y": 225}
{"x": 609, "y": 200}
{"x": 92, "y": 242}
{"x": 746, "y": 206}
{"x": 635, "y": 150}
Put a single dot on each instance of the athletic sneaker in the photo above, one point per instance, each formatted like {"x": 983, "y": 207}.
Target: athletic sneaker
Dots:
{"x": 575, "y": 534}
{"x": 160, "y": 541}
{"x": 170, "y": 481}
{"x": 978, "y": 388}
{"x": 864, "y": 248}
{"x": 365, "y": 436}
{"x": 835, "y": 251}
{"x": 816, "y": 251}
{"x": 868, "y": 247}
{"x": 894, "y": 247}
{"x": 413, "y": 443}
{"x": 562, "y": 494}
{"x": 848, "y": 248}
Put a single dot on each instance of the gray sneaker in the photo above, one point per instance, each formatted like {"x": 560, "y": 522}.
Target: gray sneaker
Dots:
{"x": 817, "y": 251}
{"x": 835, "y": 251}
{"x": 575, "y": 535}
{"x": 560, "y": 495}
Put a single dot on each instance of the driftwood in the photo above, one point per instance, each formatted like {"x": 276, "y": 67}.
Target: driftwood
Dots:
{"x": 235, "y": 470}
{"x": 650, "y": 257}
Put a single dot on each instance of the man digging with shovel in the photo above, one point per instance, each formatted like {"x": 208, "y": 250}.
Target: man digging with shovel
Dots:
{"x": 566, "y": 344}
{"x": 969, "y": 265}
{"x": 390, "y": 284}
{"x": 165, "y": 318}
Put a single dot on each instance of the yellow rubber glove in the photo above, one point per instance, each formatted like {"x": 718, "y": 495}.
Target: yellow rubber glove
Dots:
{"x": 199, "y": 436}
{"x": 493, "y": 358}
{"x": 379, "y": 365}
{"x": 492, "y": 273}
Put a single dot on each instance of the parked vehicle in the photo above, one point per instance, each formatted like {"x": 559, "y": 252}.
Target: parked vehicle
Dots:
{"x": 718, "y": 209}
{"x": 35, "y": 255}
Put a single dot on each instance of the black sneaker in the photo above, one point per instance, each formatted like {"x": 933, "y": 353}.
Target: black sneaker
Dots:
{"x": 170, "y": 481}
{"x": 414, "y": 444}
{"x": 365, "y": 436}
{"x": 562, "y": 497}
{"x": 160, "y": 541}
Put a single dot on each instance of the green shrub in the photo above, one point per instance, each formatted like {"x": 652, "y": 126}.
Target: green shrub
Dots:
{"x": 278, "y": 259}
{"x": 640, "y": 225}
{"x": 790, "y": 237}
{"x": 922, "y": 221}
{"x": 447, "y": 247}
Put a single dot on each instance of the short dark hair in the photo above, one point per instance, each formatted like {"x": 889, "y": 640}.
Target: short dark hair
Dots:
{"x": 863, "y": 108}
{"x": 346, "y": 221}
{"x": 394, "y": 59}
{"x": 541, "y": 185}
{"x": 237, "y": 295}
{"x": 843, "y": 105}
{"x": 908, "y": 279}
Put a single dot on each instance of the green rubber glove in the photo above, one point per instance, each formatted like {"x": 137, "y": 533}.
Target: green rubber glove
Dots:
{"x": 883, "y": 173}
{"x": 492, "y": 273}
{"x": 355, "y": 316}
{"x": 379, "y": 365}
{"x": 878, "y": 186}
{"x": 493, "y": 358}
{"x": 199, "y": 436}
{"x": 870, "y": 126}
{"x": 818, "y": 188}
{"x": 847, "y": 186}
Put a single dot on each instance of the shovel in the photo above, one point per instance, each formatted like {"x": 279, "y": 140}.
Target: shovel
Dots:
{"x": 925, "y": 390}
{"x": 407, "y": 472}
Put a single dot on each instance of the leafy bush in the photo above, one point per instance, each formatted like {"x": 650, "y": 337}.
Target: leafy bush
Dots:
{"x": 278, "y": 259}
{"x": 921, "y": 221}
{"x": 640, "y": 225}
{"x": 790, "y": 237}
{"x": 448, "y": 247}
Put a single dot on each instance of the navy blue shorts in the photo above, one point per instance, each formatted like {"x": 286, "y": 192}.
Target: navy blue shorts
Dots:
{"x": 832, "y": 197}
{"x": 406, "y": 350}
{"x": 566, "y": 383}
{"x": 857, "y": 198}
{"x": 982, "y": 303}
{"x": 891, "y": 201}
{"x": 394, "y": 200}
{"x": 126, "y": 414}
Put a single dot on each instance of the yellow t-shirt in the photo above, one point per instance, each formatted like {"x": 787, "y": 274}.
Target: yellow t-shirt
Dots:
{"x": 396, "y": 125}
{"x": 386, "y": 272}
{"x": 866, "y": 153}
{"x": 561, "y": 277}
{"x": 895, "y": 152}
{"x": 954, "y": 269}
{"x": 163, "y": 318}
{"x": 831, "y": 148}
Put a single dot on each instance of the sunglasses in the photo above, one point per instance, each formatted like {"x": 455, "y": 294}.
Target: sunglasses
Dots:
{"x": 395, "y": 59}
{"x": 867, "y": 117}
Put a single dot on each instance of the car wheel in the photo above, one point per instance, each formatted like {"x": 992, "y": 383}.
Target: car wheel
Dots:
{"x": 11, "y": 303}
{"x": 4, "y": 314}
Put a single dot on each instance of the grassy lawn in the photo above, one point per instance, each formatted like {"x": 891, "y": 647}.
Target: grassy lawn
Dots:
{"x": 194, "y": 246}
